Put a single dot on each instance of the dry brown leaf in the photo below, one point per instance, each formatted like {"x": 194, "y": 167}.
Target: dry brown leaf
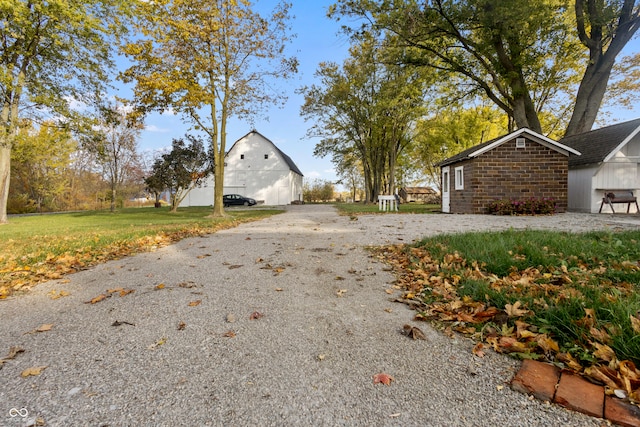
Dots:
{"x": 233, "y": 267}
{"x": 478, "y": 350}
{"x": 389, "y": 291}
{"x": 55, "y": 294}
{"x": 181, "y": 326}
{"x": 229, "y": 334}
{"x": 194, "y": 303}
{"x": 382, "y": 378}
{"x": 44, "y": 327}
{"x": 635, "y": 324}
{"x": 35, "y": 371}
{"x": 514, "y": 310}
{"x": 413, "y": 332}
{"x": 97, "y": 299}
{"x": 160, "y": 286}
{"x": 604, "y": 352}
{"x": 255, "y": 315}
{"x": 341, "y": 292}
{"x": 124, "y": 292}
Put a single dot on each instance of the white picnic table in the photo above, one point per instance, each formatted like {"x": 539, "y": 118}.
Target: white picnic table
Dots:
{"x": 387, "y": 203}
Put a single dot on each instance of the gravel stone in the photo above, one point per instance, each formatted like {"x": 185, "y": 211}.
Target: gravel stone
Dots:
{"x": 309, "y": 360}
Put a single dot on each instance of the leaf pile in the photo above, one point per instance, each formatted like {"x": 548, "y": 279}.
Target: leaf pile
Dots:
{"x": 568, "y": 315}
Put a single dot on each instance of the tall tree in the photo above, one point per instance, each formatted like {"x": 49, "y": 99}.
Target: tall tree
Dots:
{"x": 523, "y": 55}
{"x": 180, "y": 170}
{"x": 604, "y": 28}
{"x": 51, "y": 53}
{"x": 115, "y": 143}
{"x": 366, "y": 109}
{"x": 209, "y": 60}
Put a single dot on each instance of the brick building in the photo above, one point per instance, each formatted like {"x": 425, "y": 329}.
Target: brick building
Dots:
{"x": 520, "y": 165}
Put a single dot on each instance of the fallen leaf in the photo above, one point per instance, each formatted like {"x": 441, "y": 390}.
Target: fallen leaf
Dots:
{"x": 158, "y": 343}
{"x": 187, "y": 285}
{"x": 194, "y": 303}
{"x": 124, "y": 292}
{"x": 233, "y": 267}
{"x": 160, "y": 286}
{"x": 413, "y": 332}
{"x": 341, "y": 292}
{"x": 321, "y": 357}
{"x": 255, "y": 315}
{"x": 55, "y": 294}
{"x": 514, "y": 310}
{"x": 13, "y": 352}
{"x": 230, "y": 318}
{"x": 389, "y": 291}
{"x": 279, "y": 289}
{"x": 181, "y": 326}
{"x": 478, "y": 350}
{"x": 35, "y": 371}
{"x": 97, "y": 299}
{"x": 382, "y": 378}
{"x": 635, "y": 324}
{"x": 119, "y": 323}
{"x": 45, "y": 327}
{"x": 229, "y": 334}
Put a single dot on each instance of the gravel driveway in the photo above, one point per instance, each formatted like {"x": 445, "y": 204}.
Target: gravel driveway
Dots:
{"x": 284, "y": 321}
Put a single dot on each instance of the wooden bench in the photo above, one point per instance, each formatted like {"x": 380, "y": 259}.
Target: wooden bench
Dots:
{"x": 619, "y": 196}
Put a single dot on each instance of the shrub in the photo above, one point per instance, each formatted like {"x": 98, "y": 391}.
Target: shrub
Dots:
{"x": 531, "y": 206}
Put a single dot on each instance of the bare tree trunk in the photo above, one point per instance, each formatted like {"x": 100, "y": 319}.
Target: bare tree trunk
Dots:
{"x": 5, "y": 174}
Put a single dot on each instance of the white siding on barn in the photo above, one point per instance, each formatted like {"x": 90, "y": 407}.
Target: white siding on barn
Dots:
{"x": 254, "y": 168}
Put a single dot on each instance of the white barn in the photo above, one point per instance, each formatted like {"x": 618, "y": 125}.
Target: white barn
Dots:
{"x": 256, "y": 168}
{"x": 610, "y": 161}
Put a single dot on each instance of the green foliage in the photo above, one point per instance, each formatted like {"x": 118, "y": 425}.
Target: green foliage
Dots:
{"x": 318, "y": 190}
{"x": 372, "y": 208}
{"x": 364, "y": 112}
{"x": 182, "y": 169}
{"x": 40, "y": 161}
{"x": 530, "y": 206}
{"x": 54, "y": 53}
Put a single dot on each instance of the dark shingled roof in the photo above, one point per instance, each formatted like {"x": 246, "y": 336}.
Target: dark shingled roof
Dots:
{"x": 597, "y": 144}
{"x": 531, "y": 135}
{"x": 464, "y": 154}
{"x": 286, "y": 158}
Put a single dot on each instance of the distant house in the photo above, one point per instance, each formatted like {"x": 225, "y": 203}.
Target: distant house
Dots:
{"x": 520, "y": 165}
{"x": 610, "y": 161}
{"x": 256, "y": 168}
{"x": 418, "y": 194}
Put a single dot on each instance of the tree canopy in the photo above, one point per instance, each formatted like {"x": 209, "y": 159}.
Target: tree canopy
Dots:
{"x": 527, "y": 56}
{"x": 53, "y": 53}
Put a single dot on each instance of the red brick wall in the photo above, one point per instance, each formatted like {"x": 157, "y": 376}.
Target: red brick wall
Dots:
{"x": 507, "y": 172}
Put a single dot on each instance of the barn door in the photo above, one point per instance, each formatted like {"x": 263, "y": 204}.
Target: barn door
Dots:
{"x": 445, "y": 189}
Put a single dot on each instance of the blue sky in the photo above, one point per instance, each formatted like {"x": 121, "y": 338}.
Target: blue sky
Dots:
{"x": 317, "y": 40}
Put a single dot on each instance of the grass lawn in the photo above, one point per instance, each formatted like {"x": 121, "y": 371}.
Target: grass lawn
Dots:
{"x": 371, "y": 208}
{"x": 569, "y": 299}
{"x": 43, "y": 247}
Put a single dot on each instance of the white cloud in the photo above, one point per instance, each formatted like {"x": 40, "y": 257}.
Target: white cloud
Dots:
{"x": 154, "y": 128}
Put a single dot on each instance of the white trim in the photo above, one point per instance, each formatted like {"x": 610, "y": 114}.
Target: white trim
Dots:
{"x": 458, "y": 183}
{"x": 622, "y": 144}
{"x": 541, "y": 139}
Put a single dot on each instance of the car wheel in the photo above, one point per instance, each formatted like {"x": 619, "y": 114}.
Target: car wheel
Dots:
{"x": 246, "y": 203}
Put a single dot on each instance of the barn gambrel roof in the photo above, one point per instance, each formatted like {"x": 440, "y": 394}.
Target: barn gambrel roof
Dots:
{"x": 286, "y": 158}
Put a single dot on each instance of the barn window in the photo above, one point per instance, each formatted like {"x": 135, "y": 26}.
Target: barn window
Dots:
{"x": 241, "y": 156}
{"x": 459, "y": 178}
{"x": 266, "y": 156}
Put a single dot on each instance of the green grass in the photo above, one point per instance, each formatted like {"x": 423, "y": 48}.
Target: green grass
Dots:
{"x": 38, "y": 247}
{"x": 370, "y": 208}
{"x": 569, "y": 275}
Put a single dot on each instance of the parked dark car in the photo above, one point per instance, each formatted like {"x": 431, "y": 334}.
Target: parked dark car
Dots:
{"x": 237, "y": 200}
